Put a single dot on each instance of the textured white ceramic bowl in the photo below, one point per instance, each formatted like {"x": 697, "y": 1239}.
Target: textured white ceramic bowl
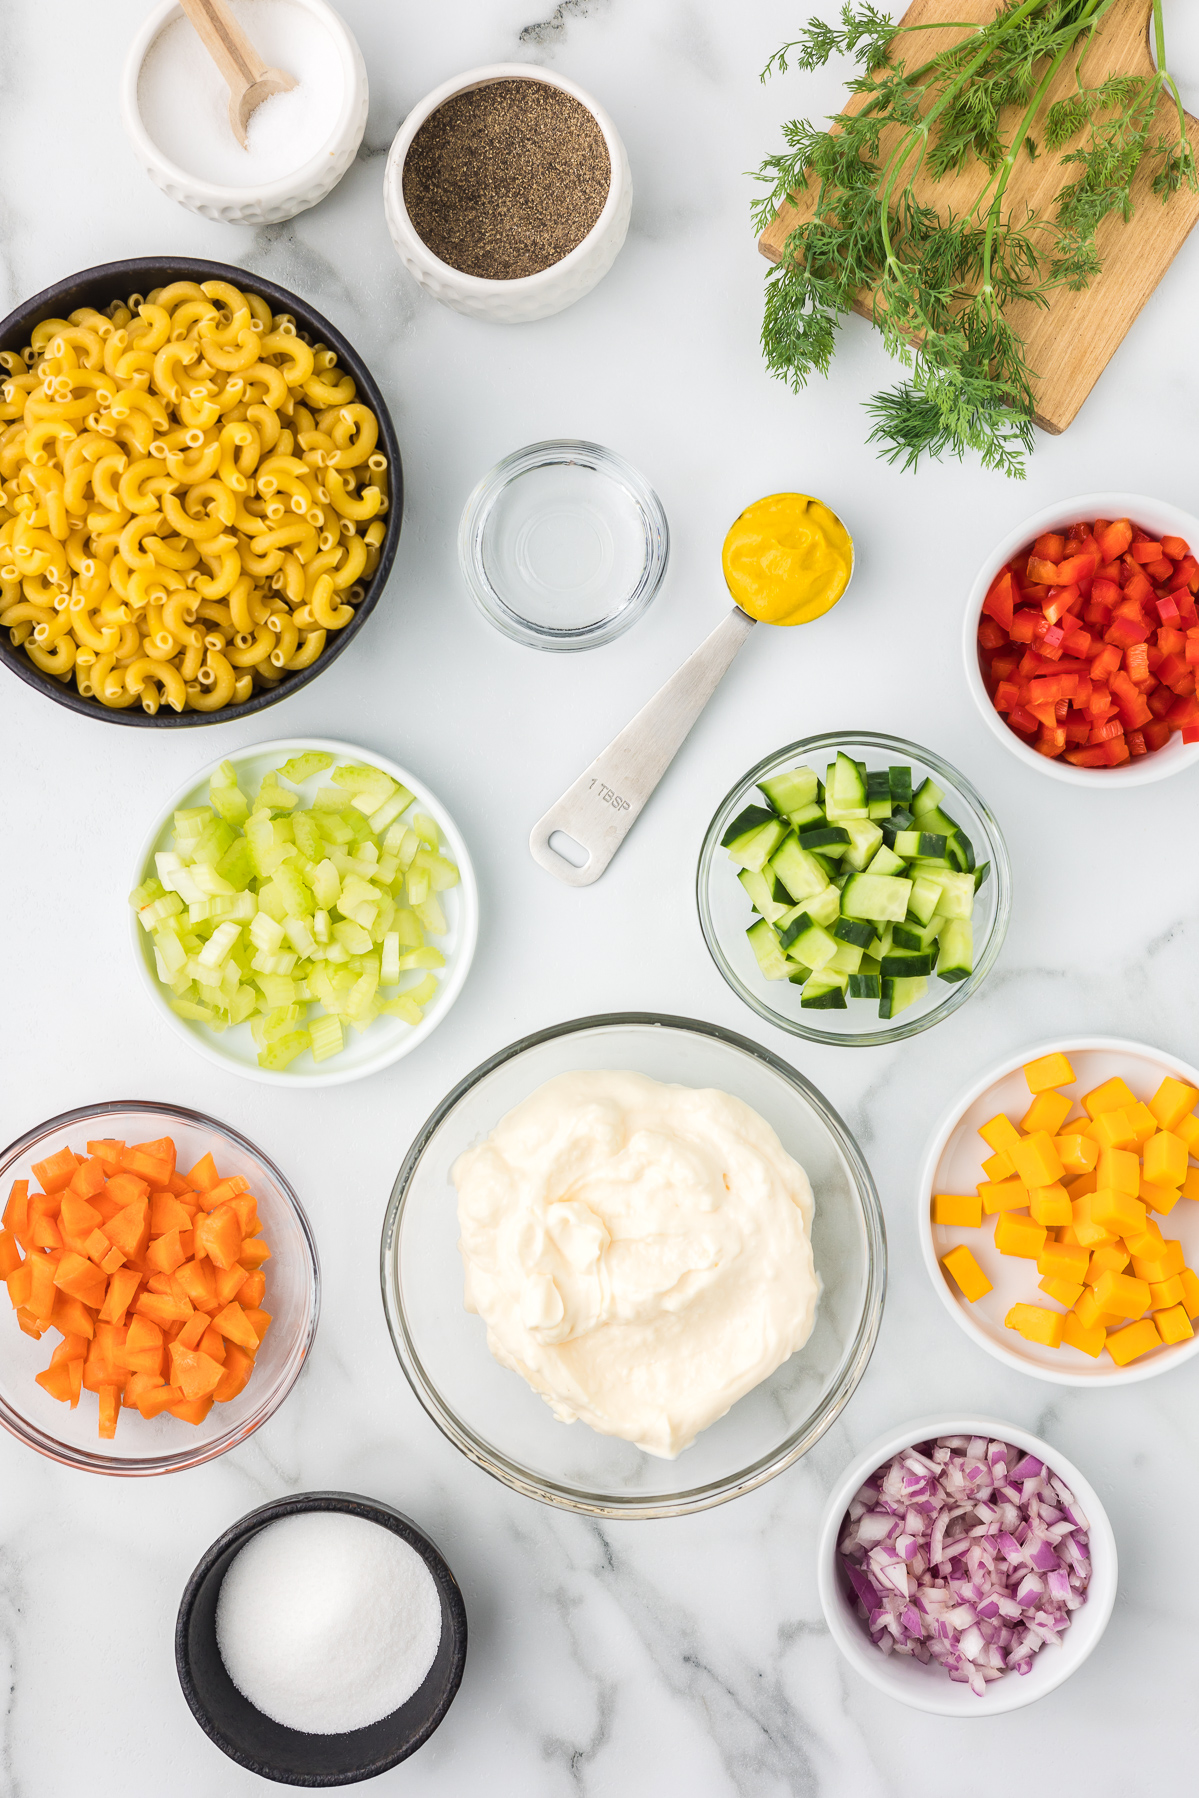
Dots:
{"x": 531, "y": 296}
{"x": 926, "y": 1687}
{"x": 953, "y": 1163}
{"x": 277, "y": 200}
{"x": 367, "y": 1051}
{"x": 1156, "y": 515}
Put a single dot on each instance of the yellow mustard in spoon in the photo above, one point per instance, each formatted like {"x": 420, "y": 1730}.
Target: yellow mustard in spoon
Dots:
{"x": 787, "y": 559}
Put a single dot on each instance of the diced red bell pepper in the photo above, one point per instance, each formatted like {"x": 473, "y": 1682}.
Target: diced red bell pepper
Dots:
{"x": 1191, "y": 734}
{"x": 1136, "y": 663}
{"x": 1007, "y": 696}
{"x": 1139, "y": 588}
{"x": 1160, "y": 701}
{"x": 1167, "y": 610}
{"x": 1111, "y": 727}
{"x": 1023, "y": 720}
{"x": 1175, "y": 547}
{"x": 1124, "y": 631}
{"x": 1172, "y": 668}
{"x": 1050, "y": 548}
{"x": 1144, "y": 549}
{"x": 1157, "y": 734}
{"x": 1136, "y": 743}
{"x": 1000, "y": 602}
{"x": 1042, "y": 573}
{"x": 1184, "y": 712}
{"x": 1115, "y": 539}
{"x": 1060, "y": 602}
{"x": 1160, "y": 570}
{"x": 1186, "y": 574}
{"x": 1078, "y": 731}
{"x": 991, "y": 635}
{"x": 1023, "y": 625}
{"x": 1077, "y": 570}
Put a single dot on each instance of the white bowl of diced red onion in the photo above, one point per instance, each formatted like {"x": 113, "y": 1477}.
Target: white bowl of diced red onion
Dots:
{"x": 981, "y": 1629}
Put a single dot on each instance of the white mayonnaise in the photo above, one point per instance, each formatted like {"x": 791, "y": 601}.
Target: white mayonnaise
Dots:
{"x": 638, "y": 1252}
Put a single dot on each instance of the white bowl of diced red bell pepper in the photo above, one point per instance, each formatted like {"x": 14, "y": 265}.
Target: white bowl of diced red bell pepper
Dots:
{"x": 1081, "y": 640}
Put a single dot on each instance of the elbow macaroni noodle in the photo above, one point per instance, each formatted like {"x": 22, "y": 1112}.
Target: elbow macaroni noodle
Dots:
{"x": 190, "y": 498}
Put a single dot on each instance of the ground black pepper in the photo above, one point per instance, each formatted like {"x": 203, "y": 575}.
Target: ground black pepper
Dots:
{"x": 505, "y": 180}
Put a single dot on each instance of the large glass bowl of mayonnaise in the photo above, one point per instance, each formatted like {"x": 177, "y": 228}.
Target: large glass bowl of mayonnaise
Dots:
{"x": 499, "y": 1422}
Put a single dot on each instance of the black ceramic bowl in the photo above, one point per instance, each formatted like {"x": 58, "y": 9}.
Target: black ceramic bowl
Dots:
{"x": 110, "y": 281}
{"x": 289, "y": 1755}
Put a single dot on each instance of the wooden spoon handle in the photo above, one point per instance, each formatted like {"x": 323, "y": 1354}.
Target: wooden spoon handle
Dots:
{"x": 602, "y": 806}
{"x": 226, "y": 42}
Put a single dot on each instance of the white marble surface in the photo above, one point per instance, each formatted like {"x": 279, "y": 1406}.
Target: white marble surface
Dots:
{"x": 681, "y": 1660}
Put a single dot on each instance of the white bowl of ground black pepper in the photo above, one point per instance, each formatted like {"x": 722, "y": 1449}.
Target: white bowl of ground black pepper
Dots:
{"x": 508, "y": 193}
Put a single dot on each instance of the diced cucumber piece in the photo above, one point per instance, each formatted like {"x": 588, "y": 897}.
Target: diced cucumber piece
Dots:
{"x": 864, "y": 839}
{"x": 956, "y": 960}
{"x": 847, "y": 960}
{"x": 900, "y": 819}
{"x": 752, "y": 838}
{"x": 849, "y": 930}
{"x": 825, "y": 992}
{"x": 897, "y": 995}
{"x": 878, "y": 896}
{"x": 926, "y": 796}
{"x": 765, "y": 945}
{"x": 823, "y": 908}
{"x": 800, "y": 873}
{"x": 980, "y": 874}
{"x": 926, "y": 895}
{"x": 848, "y": 782}
{"x": 913, "y": 935}
{"x": 792, "y": 791}
{"x": 808, "y": 942}
{"x": 865, "y": 986}
{"x": 807, "y": 814}
{"x": 762, "y": 890}
{"x": 959, "y": 851}
{"x": 885, "y": 861}
{"x": 911, "y": 843}
{"x": 878, "y": 786}
{"x": 957, "y": 891}
{"x": 831, "y": 839}
{"x": 879, "y": 808}
{"x": 903, "y": 964}
{"x": 900, "y": 782}
{"x": 799, "y": 975}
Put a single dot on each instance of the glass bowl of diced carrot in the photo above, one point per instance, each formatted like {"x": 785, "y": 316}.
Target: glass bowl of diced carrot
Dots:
{"x": 1058, "y": 1212}
{"x": 162, "y": 1288}
{"x": 1081, "y": 640}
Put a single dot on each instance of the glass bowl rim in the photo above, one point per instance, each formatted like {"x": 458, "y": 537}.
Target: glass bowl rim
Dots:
{"x": 481, "y": 501}
{"x": 1001, "y": 872}
{"x": 141, "y": 1466}
{"x": 719, "y": 1491}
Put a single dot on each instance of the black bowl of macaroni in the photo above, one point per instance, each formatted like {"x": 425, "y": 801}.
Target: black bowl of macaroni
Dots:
{"x": 200, "y": 492}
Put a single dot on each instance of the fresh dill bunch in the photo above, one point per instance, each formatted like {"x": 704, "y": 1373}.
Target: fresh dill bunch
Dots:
{"x": 940, "y": 281}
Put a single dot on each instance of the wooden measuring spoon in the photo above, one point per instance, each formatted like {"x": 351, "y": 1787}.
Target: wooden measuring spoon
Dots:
{"x": 600, "y": 808}
{"x": 249, "y": 79}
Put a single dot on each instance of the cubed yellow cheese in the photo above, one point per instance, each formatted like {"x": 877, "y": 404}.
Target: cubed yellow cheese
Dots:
{"x": 1122, "y": 1294}
{"x": 964, "y": 1270}
{"x": 1190, "y": 1291}
{"x": 1065, "y": 1261}
{"x": 1158, "y": 1198}
{"x": 1120, "y": 1169}
{"x": 999, "y": 1132}
{"x": 1118, "y": 1212}
{"x": 1113, "y": 1095}
{"x": 1164, "y": 1293}
{"x": 1048, "y": 1071}
{"x": 1088, "y": 1339}
{"x": 1110, "y": 1257}
{"x": 1048, "y": 1111}
{"x": 1050, "y": 1205}
{"x": 1036, "y": 1324}
{"x": 1190, "y": 1186}
{"x": 1143, "y": 1122}
{"x": 1078, "y": 1154}
{"x": 1066, "y": 1292}
{"x": 1087, "y": 1230}
{"x": 998, "y": 1166}
{"x": 1017, "y": 1235}
{"x": 1084, "y": 1183}
{"x": 1173, "y": 1324}
{"x": 962, "y": 1209}
{"x": 1067, "y": 1233}
{"x": 1159, "y": 1264}
{"x": 1036, "y": 1160}
{"x": 1137, "y": 1339}
{"x": 1166, "y": 1159}
{"x": 1171, "y": 1102}
{"x": 1090, "y": 1313}
{"x": 1002, "y": 1195}
{"x": 1114, "y": 1130}
{"x": 1188, "y": 1129}
{"x": 1145, "y": 1242}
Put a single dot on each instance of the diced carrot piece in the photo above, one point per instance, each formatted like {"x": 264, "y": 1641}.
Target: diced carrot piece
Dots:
{"x": 261, "y": 1321}
{"x": 32, "y": 1326}
{"x": 166, "y": 1214}
{"x": 159, "y": 1399}
{"x": 71, "y": 1348}
{"x": 192, "y": 1410}
{"x": 252, "y": 1293}
{"x": 129, "y": 1230}
{"x": 144, "y": 1347}
{"x": 122, "y": 1289}
{"x": 76, "y": 1217}
{"x": 43, "y": 1231}
{"x": 56, "y": 1171}
{"x": 127, "y": 1188}
{"x": 234, "y": 1323}
{"x": 219, "y": 1236}
{"x": 107, "y": 1150}
{"x": 212, "y": 1343}
{"x": 16, "y": 1212}
{"x": 72, "y": 1317}
{"x": 140, "y": 1159}
{"x": 42, "y": 1290}
{"x": 108, "y": 1263}
{"x": 253, "y": 1254}
{"x": 20, "y": 1284}
{"x": 81, "y": 1278}
{"x": 10, "y": 1254}
{"x": 110, "y": 1409}
{"x": 138, "y": 1384}
{"x": 163, "y": 1308}
{"x": 246, "y": 1207}
{"x": 238, "y": 1368}
{"x": 197, "y": 1279}
{"x": 203, "y": 1177}
{"x": 89, "y": 1178}
{"x": 195, "y": 1373}
{"x": 57, "y": 1381}
{"x": 178, "y": 1186}
{"x": 166, "y": 1253}
{"x": 189, "y": 1336}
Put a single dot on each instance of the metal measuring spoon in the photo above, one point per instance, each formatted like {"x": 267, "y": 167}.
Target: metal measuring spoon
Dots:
{"x": 604, "y": 803}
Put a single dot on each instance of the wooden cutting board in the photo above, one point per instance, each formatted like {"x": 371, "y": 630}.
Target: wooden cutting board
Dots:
{"x": 1070, "y": 342}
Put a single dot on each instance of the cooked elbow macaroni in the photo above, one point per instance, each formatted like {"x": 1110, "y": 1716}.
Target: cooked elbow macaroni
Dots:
{"x": 190, "y": 498}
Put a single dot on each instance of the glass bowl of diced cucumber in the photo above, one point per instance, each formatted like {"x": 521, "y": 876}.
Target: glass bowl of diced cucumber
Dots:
{"x": 853, "y": 888}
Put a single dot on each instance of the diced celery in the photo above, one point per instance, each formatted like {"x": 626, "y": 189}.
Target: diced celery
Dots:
{"x": 242, "y": 1004}
{"x": 300, "y": 936}
{"x": 326, "y": 885}
{"x": 422, "y": 992}
{"x": 265, "y": 933}
{"x": 237, "y": 865}
{"x": 170, "y": 950}
{"x": 214, "y": 840}
{"x": 309, "y": 840}
{"x": 422, "y": 958}
{"x": 200, "y": 1014}
{"x": 272, "y": 902}
{"x": 357, "y": 777}
{"x": 158, "y": 910}
{"x": 442, "y": 873}
{"x": 283, "y": 1051}
{"x": 389, "y": 967}
{"x": 326, "y": 1037}
{"x": 329, "y": 801}
{"x": 302, "y": 767}
{"x": 432, "y": 916}
{"x": 418, "y": 885}
{"x": 320, "y": 926}
{"x": 296, "y": 895}
{"x": 426, "y": 829}
{"x": 146, "y": 893}
{"x": 277, "y": 989}
{"x": 374, "y": 799}
{"x": 391, "y": 808}
{"x": 352, "y": 937}
{"x": 407, "y": 925}
{"x": 210, "y": 882}
{"x": 404, "y": 1008}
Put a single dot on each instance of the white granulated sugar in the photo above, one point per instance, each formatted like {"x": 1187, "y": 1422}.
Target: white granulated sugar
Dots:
{"x": 327, "y": 1622}
{"x": 184, "y": 103}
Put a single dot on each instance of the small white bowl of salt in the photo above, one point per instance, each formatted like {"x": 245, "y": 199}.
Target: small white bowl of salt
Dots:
{"x": 299, "y": 143}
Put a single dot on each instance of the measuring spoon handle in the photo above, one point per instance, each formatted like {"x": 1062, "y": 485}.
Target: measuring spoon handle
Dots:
{"x": 602, "y": 806}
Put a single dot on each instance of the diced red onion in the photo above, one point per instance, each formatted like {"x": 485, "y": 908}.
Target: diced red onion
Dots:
{"x": 968, "y": 1553}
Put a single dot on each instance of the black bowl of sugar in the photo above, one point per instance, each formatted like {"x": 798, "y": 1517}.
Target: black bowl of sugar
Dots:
{"x": 321, "y": 1640}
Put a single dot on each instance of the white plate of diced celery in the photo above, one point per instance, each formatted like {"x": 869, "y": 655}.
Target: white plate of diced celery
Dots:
{"x": 305, "y": 912}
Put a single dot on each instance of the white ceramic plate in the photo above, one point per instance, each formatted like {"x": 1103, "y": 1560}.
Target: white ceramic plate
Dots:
{"x": 954, "y": 1164}
{"x": 387, "y": 1038}
{"x": 924, "y": 1686}
{"x": 1155, "y": 515}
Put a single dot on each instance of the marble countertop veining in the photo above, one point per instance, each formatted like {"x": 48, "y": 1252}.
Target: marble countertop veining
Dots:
{"x": 665, "y": 1660}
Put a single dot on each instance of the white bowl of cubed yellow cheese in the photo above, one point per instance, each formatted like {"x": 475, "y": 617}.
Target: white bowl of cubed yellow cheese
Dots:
{"x": 1059, "y": 1212}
